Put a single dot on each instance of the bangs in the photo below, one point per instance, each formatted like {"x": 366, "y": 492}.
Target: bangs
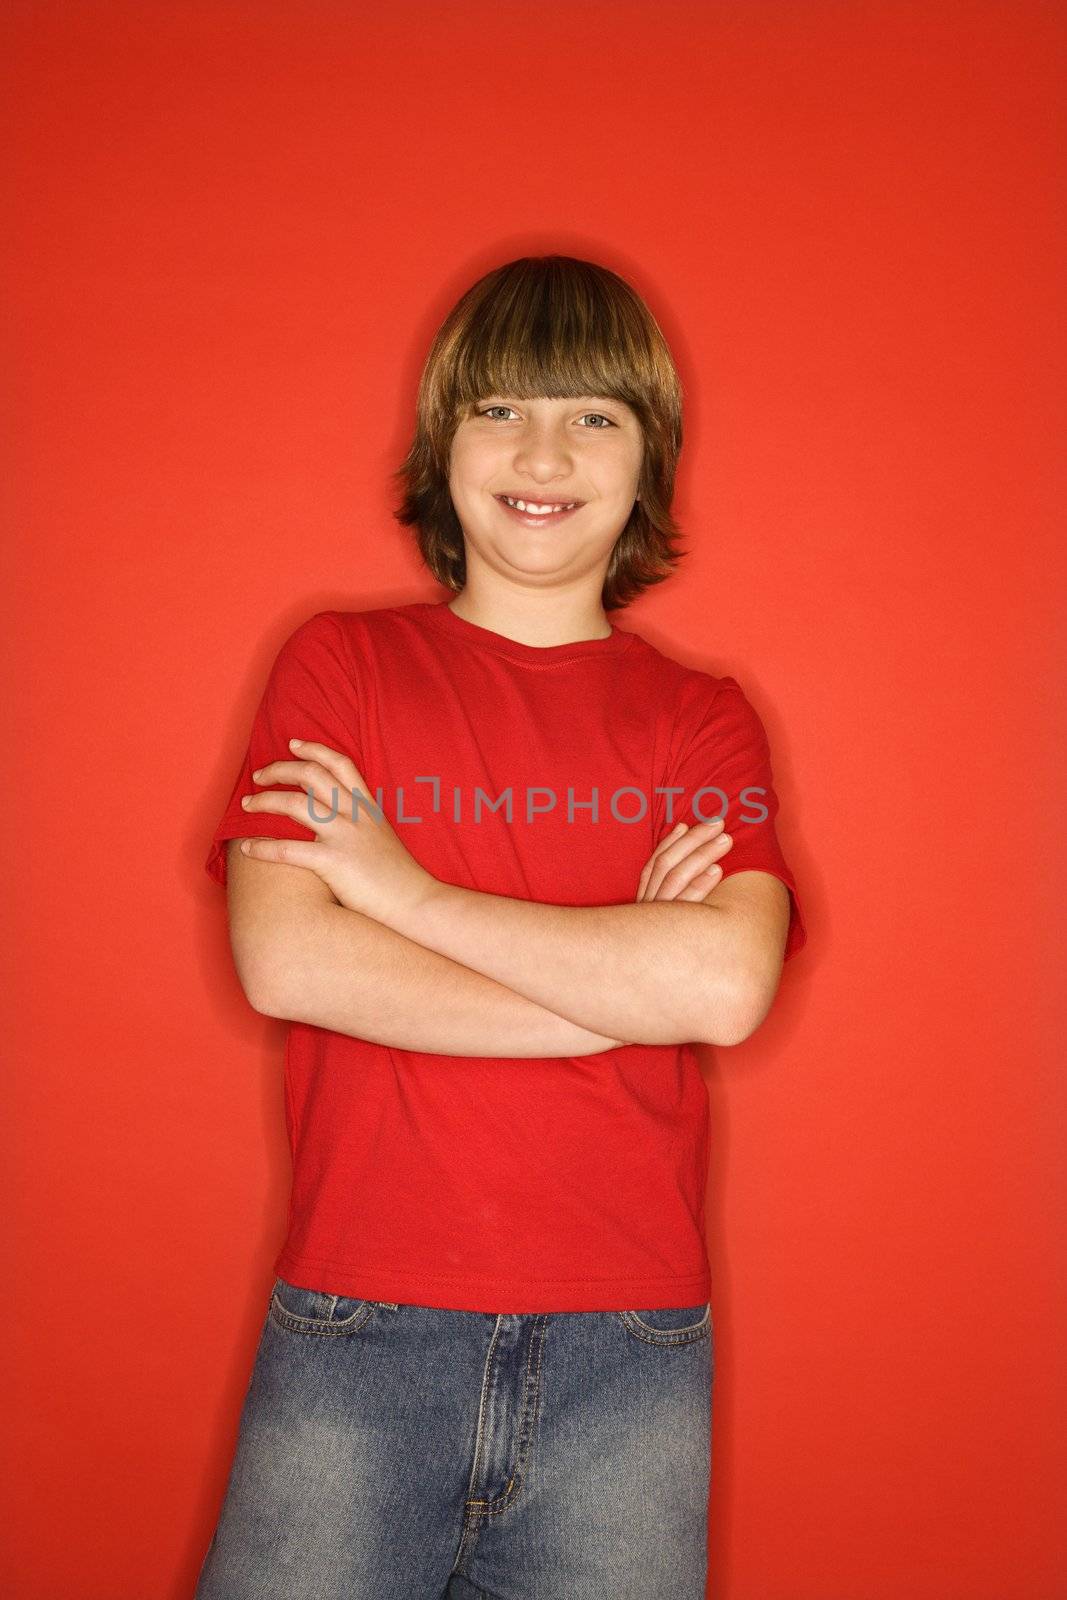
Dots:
{"x": 553, "y": 334}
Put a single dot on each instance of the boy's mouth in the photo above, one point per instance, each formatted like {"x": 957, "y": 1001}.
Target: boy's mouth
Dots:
{"x": 538, "y": 513}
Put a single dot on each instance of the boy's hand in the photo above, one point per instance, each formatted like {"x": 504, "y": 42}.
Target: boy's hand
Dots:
{"x": 682, "y": 866}
{"x": 362, "y": 861}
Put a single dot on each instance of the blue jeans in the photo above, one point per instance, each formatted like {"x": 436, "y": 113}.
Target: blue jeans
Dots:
{"x": 399, "y": 1452}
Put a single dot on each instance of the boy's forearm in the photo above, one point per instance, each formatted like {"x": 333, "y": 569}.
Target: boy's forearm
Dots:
{"x": 660, "y": 972}
{"x": 349, "y": 973}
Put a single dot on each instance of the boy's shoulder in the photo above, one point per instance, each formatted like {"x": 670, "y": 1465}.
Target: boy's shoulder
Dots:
{"x": 369, "y": 623}
{"x": 684, "y": 678}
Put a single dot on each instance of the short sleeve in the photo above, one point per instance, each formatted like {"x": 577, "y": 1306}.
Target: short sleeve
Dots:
{"x": 723, "y": 751}
{"x": 310, "y": 694}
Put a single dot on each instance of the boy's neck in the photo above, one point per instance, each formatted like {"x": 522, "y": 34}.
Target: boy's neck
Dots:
{"x": 541, "y": 620}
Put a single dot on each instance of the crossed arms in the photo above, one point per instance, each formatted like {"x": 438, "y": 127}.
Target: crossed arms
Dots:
{"x": 511, "y": 978}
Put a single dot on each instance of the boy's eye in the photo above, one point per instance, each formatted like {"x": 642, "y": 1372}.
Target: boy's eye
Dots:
{"x": 599, "y": 414}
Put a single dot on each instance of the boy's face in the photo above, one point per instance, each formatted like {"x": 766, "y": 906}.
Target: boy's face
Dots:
{"x": 546, "y": 453}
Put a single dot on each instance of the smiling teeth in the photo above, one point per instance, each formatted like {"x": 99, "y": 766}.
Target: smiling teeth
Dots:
{"x": 537, "y": 511}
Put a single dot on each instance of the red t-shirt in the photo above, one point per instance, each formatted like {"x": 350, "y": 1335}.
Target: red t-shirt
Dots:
{"x": 516, "y": 1185}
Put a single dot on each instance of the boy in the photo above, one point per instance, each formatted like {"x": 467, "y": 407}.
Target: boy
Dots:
{"x": 491, "y": 896}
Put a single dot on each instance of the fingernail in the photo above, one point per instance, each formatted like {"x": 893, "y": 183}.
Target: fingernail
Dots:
{"x": 294, "y": 742}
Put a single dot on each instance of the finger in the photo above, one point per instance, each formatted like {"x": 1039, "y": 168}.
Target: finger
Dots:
{"x": 678, "y": 841}
{"x": 700, "y": 836}
{"x": 682, "y": 874}
{"x": 306, "y": 775}
{"x": 699, "y": 860}
{"x": 675, "y": 833}
{"x": 334, "y": 761}
{"x": 290, "y": 852}
{"x": 352, "y": 799}
{"x": 671, "y": 852}
{"x": 315, "y": 813}
{"x": 702, "y": 885}
{"x": 300, "y": 773}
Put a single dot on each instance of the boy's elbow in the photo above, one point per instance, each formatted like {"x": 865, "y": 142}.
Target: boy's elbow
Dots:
{"x": 260, "y": 985}
{"x": 274, "y": 971}
{"x": 273, "y": 917}
{"x": 748, "y": 956}
{"x": 739, "y": 1011}
{"x": 265, "y": 967}
{"x": 266, "y": 1000}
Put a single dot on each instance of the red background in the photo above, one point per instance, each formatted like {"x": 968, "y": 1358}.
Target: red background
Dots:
{"x": 232, "y": 230}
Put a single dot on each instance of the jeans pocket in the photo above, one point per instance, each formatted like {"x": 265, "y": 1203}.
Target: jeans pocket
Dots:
{"x": 314, "y": 1311}
{"x": 670, "y": 1325}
